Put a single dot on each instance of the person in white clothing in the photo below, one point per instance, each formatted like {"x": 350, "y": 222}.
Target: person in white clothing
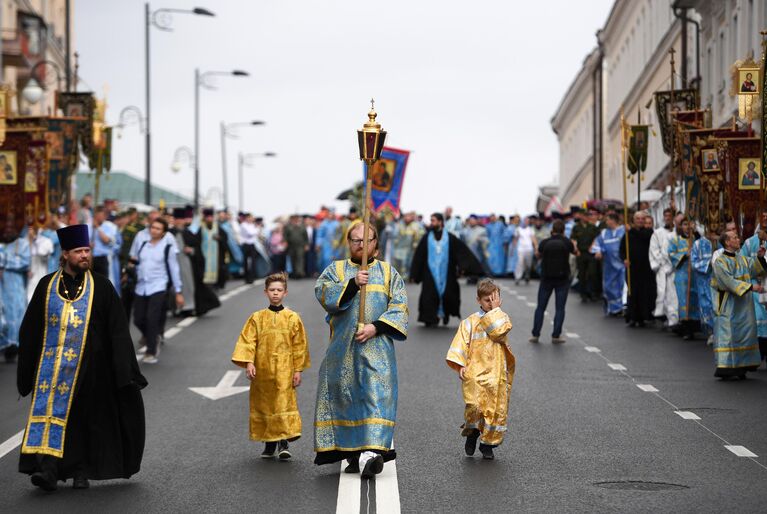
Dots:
{"x": 526, "y": 246}
{"x": 40, "y": 248}
{"x": 660, "y": 262}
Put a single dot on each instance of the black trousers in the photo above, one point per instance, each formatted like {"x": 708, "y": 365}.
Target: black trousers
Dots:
{"x": 101, "y": 265}
{"x": 149, "y": 317}
{"x": 249, "y": 256}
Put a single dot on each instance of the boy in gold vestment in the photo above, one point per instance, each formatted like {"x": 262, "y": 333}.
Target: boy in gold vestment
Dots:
{"x": 274, "y": 350}
{"x": 484, "y": 362}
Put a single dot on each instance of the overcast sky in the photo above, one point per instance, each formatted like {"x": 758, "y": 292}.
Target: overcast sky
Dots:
{"x": 468, "y": 87}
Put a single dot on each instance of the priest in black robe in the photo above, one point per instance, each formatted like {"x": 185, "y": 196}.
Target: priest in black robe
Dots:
{"x": 205, "y": 299}
{"x": 641, "y": 298}
{"x": 77, "y": 359}
{"x": 439, "y": 259}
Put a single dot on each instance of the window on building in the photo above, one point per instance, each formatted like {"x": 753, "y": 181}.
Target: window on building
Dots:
{"x": 749, "y": 24}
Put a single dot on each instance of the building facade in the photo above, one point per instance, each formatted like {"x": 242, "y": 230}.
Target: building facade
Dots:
{"x": 34, "y": 52}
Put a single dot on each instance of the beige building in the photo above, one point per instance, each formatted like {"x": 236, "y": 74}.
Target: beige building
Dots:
{"x": 34, "y": 44}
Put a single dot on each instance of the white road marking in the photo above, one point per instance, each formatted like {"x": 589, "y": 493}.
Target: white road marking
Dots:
{"x": 740, "y": 451}
{"x": 387, "y": 490}
{"x": 685, "y": 414}
{"x": 186, "y": 321}
{"x": 530, "y": 304}
{"x": 647, "y": 388}
{"x": 616, "y": 367}
{"x": 11, "y": 444}
{"x": 224, "y": 388}
{"x": 573, "y": 335}
{"x": 592, "y": 349}
{"x": 523, "y": 298}
{"x": 545, "y": 313}
{"x": 348, "y": 501}
{"x": 225, "y": 297}
{"x": 172, "y": 331}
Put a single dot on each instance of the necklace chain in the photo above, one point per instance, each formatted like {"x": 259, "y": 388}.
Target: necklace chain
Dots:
{"x": 66, "y": 291}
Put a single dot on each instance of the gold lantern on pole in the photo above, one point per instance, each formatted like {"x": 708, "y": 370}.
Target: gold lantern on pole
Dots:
{"x": 371, "y": 141}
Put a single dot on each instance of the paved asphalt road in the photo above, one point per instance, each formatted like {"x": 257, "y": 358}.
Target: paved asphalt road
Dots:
{"x": 575, "y": 422}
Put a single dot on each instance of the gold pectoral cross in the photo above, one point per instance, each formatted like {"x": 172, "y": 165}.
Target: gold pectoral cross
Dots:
{"x": 74, "y": 319}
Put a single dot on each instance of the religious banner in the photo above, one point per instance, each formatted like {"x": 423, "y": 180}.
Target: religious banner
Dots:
{"x": 13, "y": 169}
{"x": 63, "y": 156}
{"x": 36, "y": 181}
{"x": 739, "y": 159}
{"x": 683, "y": 100}
{"x": 637, "y": 155}
{"x": 80, "y": 105}
{"x": 388, "y": 176}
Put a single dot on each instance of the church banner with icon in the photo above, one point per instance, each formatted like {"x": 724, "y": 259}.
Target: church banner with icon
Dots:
{"x": 13, "y": 170}
{"x": 388, "y": 176}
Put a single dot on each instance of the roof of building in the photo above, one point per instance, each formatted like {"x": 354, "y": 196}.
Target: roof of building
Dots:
{"x": 126, "y": 189}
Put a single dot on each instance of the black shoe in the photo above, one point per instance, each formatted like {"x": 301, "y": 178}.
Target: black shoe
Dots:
{"x": 44, "y": 480}
{"x": 269, "y": 450}
{"x": 445, "y": 320}
{"x": 487, "y": 451}
{"x": 284, "y": 452}
{"x": 373, "y": 467}
{"x": 471, "y": 443}
{"x": 353, "y": 465}
{"x": 80, "y": 482}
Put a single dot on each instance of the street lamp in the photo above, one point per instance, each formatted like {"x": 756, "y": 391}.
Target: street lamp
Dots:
{"x": 244, "y": 160}
{"x": 227, "y": 131}
{"x": 371, "y": 141}
{"x": 130, "y": 115}
{"x": 200, "y": 81}
{"x": 181, "y": 155}
{"x": 161, "y": 19}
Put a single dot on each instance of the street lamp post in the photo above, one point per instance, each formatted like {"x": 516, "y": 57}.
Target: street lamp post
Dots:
{"x": 199, "y": 81}
{"x": 161, "y": 19}
{"x": 244, "y": 160}
{"x": 226, "y": 131}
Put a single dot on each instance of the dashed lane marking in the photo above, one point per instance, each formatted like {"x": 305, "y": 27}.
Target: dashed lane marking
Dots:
{"x": 647, "y": 388}
{"x": 11, "y": 444}
{"x": 530, "y": 304}
{"x": 387, "y": 490}
{"x": 186, "y": 321}
{"x": 348, "y": 501}
{"x": 573, "y": 335}
{"x": 523, "y": 298}
{"x": 172, "y": 331}
{"x": 685, "y": 414}
{"x": 617, "y": 367}
{"x": 740, "y": 451}
{"x": 592, "y": 349}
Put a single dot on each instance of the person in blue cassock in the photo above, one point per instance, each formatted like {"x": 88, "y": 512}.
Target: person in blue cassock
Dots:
{"x": 327, "y": 239}
{"x": 496, "y": 248}
{"x": 606, "y": 247}
{"x": 750, "y": 248}
{"x": 702, "y": 253}
{"x": 15, "y": 260}
{"x": 735, "y": 344}
{"x": 679, "y": 250}
{"x": 357, "y": 392}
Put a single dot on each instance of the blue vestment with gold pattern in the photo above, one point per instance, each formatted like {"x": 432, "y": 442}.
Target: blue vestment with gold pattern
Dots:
{"x": 64, "y": 339}
{"x": 357, "y": 391}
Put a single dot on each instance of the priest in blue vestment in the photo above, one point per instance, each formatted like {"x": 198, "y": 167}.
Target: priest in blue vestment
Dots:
{"x": 735, "y": 344}
{"x": 702, "y": 253}
{"x": 750, "y": 248}
{"x": 679, "y": 250}
{"x": 496, "y": 248}
{"x": 357, "y": 392}
{"x": 606, "y": 247}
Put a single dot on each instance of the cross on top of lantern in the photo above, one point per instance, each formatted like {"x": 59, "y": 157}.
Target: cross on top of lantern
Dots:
{"x": 371, "y": 138}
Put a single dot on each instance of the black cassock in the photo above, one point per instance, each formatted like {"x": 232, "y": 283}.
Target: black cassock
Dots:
{"x": 205, "y": 298}
{"x": 460, "y": 260}
{"x": 105, "y": 429}
{"x": 641, "y": 300}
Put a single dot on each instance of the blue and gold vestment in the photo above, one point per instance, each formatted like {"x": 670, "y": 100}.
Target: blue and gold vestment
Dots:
{"x": 357, "y": 391}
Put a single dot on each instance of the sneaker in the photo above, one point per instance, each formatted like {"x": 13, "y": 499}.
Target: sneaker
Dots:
{"x": 487, "y": 451}
{"x": 269, "y": 450}
{"x": 533, "y": 339}
{"x": 558, "y": 340}
{"x": 471, "y": 442}
{"x": 371, "y": 464}
{"x": 150, "y": 359}
{"x": 284, "y": 452}
{"x": 141, "y": 351}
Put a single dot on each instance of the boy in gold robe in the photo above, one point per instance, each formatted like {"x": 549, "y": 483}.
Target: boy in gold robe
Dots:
{"x": 274, "y": 350}
{"x": 484, "y": 362}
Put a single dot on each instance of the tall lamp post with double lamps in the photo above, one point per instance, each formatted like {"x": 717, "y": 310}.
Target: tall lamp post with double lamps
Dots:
{"x": 246, "y": 160}
{"x": 161, "y": 19}
{"x": 228, "y": 131}
{"x": 202, "y": 80}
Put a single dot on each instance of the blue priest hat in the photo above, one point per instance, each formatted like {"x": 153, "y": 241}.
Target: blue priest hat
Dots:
{"x": 74, "y": 236}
